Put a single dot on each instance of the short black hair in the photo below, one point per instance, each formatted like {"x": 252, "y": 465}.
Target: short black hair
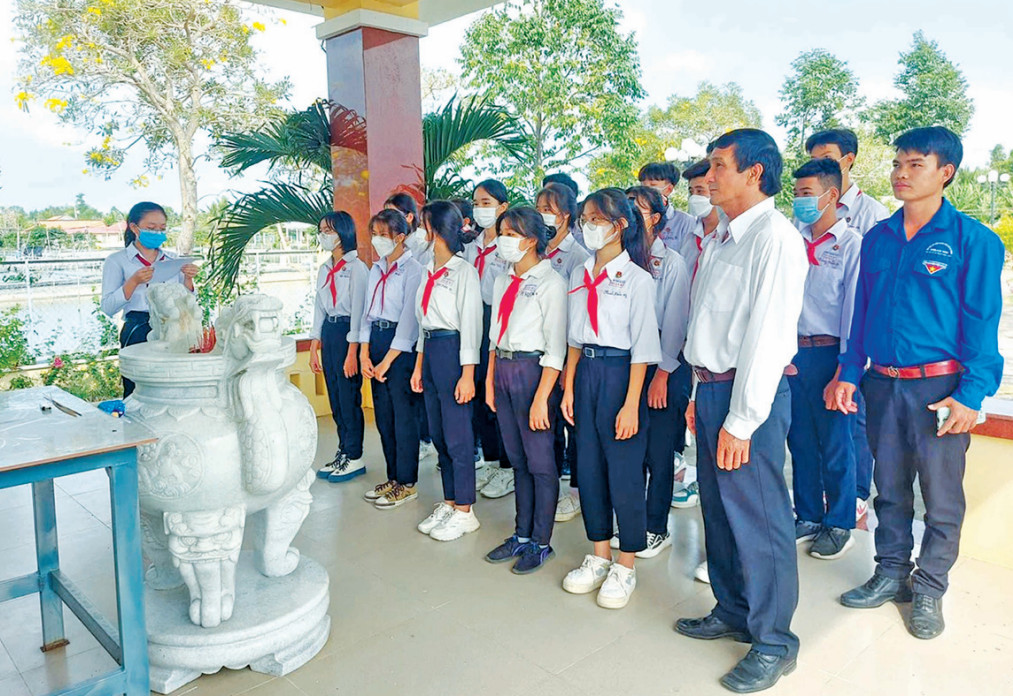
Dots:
{"x": 696, "y": 170}
{"x": 754, "y": 146}
{"x": 343, "y": 224}
{"x": 844, "y": 138}
{"x": 406, "y": 203}
{"x": 495, "y": 188}
{"x": 828, "y": 172}
{"x": 933, "y": 140}
{"x": 664, "y": 171}
{"x": 564, "y": 179}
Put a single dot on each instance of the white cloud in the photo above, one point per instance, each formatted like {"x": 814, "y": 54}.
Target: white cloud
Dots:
{"x": 691, "y": 61}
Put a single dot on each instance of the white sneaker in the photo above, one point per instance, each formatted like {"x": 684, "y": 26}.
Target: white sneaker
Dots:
{"x": 701, "y": 573}
{"x": 456, "y": 525}
{"x": 589, "y": 576}
{"x": 567, "y": 508}
{"x": 614, "y": 541}
{"x": 426, "y": 449}
{"x": 483, "y": 476}
{"x": 441, "y": 511}
{"x": 680, "y": 464}
{"x": 861, "y": 509}
{"x": 501, "y": 484}
{"x": 618, "y": 587}
{"x": 656, "y": 543}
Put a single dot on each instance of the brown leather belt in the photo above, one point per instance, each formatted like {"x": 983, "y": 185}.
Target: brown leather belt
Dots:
{"x": 936, "y": 369}
{"x": 706, "y": 376}
{"x": 818, "y": 341}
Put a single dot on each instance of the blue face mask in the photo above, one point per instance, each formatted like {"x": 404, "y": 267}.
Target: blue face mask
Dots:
{"x": 807, "y": 208}
{"x": 151, "y": 239}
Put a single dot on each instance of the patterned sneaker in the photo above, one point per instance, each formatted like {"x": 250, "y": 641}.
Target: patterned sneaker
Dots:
{"x": 456, "y": 525}
{"x": 396, "y": 497}
{"x": 567, "y": 508}
{"x": 327, "y": 469}
{"x": 347, "y": 470}
{"x": 501, "y": 484}
{"x": 508, "y": 550}
{"x": 656, "y": 543}
{"x": 589, "y": 576}
{"x": 378, "y": 491}
{"x": 441, "y": 511}
{"x": 831, "y": 543}
{"x": 618, "y": 587}
{"x": 686, "y": 496}
{"x": 806, "y": 531}
{"x": 532, "y": 558}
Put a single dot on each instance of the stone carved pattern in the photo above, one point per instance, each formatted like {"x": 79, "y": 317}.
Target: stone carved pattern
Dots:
{"x": 171, "y": 468}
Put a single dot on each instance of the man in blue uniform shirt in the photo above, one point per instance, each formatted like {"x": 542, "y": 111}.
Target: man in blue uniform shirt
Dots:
{"x": 927, "y": 316}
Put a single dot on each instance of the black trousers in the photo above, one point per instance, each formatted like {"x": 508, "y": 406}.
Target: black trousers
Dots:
{"x": 449, "y": 421}
{"x": 483, "y": 419}
{"x": 564, "y": 446}
{"x": 659, "y": 463}
{"x": 902, "y": 434}
{"x": 344, "y": 394}
{"x": 135, "y": 330}
{"x": 395, "y": 407}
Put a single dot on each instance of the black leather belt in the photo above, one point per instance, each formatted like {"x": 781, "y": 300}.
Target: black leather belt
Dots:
{"x": 439, "y": 333}
{"x": 596, "y": 352}
{"x": 517, "y": 354}
{"x": 383, "y": 324}
{"x": 339, "y": 319}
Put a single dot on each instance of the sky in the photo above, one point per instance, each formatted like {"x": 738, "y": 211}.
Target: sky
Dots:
{"x": 681, "y": 44}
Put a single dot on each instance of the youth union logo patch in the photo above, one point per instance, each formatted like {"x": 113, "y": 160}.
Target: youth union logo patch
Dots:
{"x": 933, "y": 267}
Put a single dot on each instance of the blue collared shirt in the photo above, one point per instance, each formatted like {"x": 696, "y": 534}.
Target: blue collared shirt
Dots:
{"x": 936, "y": 297}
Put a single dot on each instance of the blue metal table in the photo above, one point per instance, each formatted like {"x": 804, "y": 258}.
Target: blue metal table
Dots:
{"x": 39, "y": 442}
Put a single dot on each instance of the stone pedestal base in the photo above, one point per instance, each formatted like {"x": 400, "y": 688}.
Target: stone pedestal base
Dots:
{"x": 278, "y": 625}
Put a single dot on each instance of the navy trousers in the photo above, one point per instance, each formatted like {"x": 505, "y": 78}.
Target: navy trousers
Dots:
{"x": 565, "y": 448}
{"x": 864, "y": 462}
{"x": 449, "y": 421}
{"x": 820, "y": 442}
{"x": 536, "y": 481}
{"x": 611, "y": 470}
{"x": 682, "y": 382}
{"x": 749, "y": 529}
{"x": 344, "y": 394}
{"x": 395, "y": 408}
{"x": 484, "y": 420}
{"x": 135, "y": 330}
{"x": 659, "y": 463}
{"x": 902, "y": 433}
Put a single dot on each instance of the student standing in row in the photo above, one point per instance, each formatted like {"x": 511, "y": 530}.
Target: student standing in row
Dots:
{"x": 528, "y": 342}
{"x": 677, "y": 225}
{"x": 927, "y": 314}
{"x": 669, "y": 382}
{"x": 449, "y": 312}
{"x": 387, "y": 354}
{"x": 613, "y": 337}
{"x": 822, "y": 453}
{"x": 337, "y": 319}
{"x": 490, "y": 201}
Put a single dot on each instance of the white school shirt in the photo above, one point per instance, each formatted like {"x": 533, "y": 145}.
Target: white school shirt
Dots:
{"x": 116, "y": 271}
{"x": 829, "y": 300}
{"x": 455, "y": 305}
{"x": 861, "y": 212}
{"x": 692, "y": 245}
{"x": 567, "y": 256}
{"x": 538, "y": 319}
{"x": 626, "y": 315}
{"x": 350, "y": 284}
{"x": 495, "y": 265}
{"x": 676, "y": 226}
{"x": 746, "y": 302}
{"x": 395, "y": 302}
{"x": 672, "y": 302}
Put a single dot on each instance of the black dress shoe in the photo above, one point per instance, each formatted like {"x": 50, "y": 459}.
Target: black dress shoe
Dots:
{"x": 756, "y": 672}
{"x": 710, "y": 627}
{"x": 926, "y": 619}
{"x": 876, "y": 592}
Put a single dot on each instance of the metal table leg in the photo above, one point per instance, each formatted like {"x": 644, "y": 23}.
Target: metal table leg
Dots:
{"x": 48, "y": 555}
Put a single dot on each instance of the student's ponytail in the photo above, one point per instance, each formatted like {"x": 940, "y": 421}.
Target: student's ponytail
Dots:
{"x": 445, "y": 221}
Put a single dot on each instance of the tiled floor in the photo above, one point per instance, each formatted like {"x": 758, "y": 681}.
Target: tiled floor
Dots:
{"x": 413, "y": 616}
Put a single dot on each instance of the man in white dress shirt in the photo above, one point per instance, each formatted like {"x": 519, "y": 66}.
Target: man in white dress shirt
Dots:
{"x": 746, "y": 303}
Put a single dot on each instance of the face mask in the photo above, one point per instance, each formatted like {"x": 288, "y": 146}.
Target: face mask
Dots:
{"x": 416, "y": 241}
{"x": 597, "y": 236}
{"x": 151, "y": 239}
{"x": 485, "y": 217}
{"x": 550, "y": 220}
{"x": 700, "y": 206}
{"x": 327, "y": 241}
{"x": 384, "y": 246}
{"x": 807, "y": 210}
{"x": 510, "y": 249}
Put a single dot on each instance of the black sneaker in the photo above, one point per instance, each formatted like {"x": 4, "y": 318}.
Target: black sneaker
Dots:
{"x": 831, "y": 543}
{"x": 656, "y": 543}
{"x": 806, "y": 531}
{"x": 533, "y": 557}
{"x": 510, "y": 548}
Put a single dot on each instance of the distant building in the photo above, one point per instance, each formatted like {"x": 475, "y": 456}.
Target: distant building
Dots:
{"x": 106, "y": 236}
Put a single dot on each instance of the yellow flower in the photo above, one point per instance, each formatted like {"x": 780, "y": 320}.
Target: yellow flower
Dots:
{"x": 95, "y": 11}
{"x": 59, "y": 64}
{"x": 365, "y": 174}
{"x": 56, "y": 105}
{"x": 259, "y": 26}
{"x": 64, "y": 42}
{"x": 84, "y": 171}
{"x": 283, "y": 22}
{"x": 208, "y": 63}
{"x": 21, "y": 99}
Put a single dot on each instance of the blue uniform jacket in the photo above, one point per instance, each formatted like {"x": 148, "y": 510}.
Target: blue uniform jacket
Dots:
{"x": 936, "y": 297}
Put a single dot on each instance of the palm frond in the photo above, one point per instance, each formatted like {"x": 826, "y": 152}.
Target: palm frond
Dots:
{"x": 277, "y": 203}
{"x": 300, "y": 138}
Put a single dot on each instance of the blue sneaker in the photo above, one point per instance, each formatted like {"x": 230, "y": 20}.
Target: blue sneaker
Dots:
{"x": 505, "y": 551}
{"x": 532, "y": 558}
{"x": 347, "y": 470}
{"x": 686, "y": 497}
{"x": 327, "y": 469}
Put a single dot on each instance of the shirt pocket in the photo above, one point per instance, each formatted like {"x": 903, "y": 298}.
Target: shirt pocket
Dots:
{"x": 726, "y": 287}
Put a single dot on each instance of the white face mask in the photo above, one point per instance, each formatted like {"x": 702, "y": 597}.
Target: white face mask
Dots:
{"x": 416, "y": 241}
{"x": 550, "y": 220}
{"x": 510, "y": 249}
{"x": 700, "y": 206}
{"x": 597, "y": 236}
{"x": 384, "y": 246}
{"x": 485, "y": 217}
{"x": 328, "y": 241}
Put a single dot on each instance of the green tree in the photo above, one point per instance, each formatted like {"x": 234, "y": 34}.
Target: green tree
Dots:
{"x": 712, "y": 111}
{"x": 151, "y": 72}
{"x": 1001, "y": 160}
{"x": 820, "y": 92}
{"x": 564, "y": 69}
{"x": 934, "y": 93}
